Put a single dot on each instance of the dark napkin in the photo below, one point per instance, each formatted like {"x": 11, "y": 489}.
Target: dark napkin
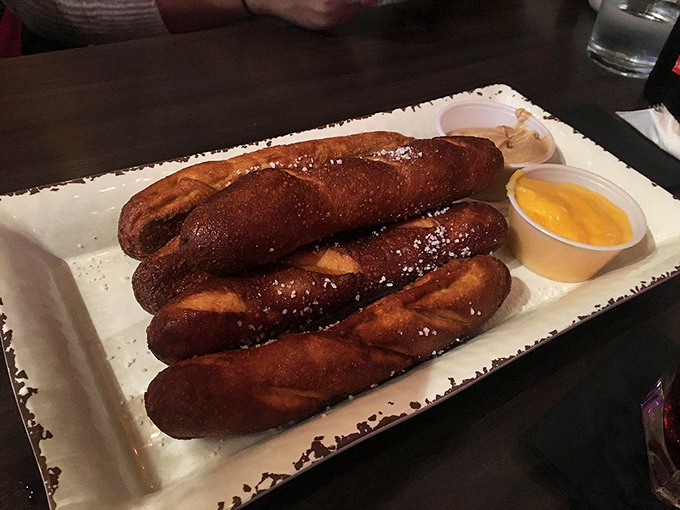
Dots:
{"x": 593, "y": 441}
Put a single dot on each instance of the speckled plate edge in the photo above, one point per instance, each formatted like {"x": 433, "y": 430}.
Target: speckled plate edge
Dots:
{"x": 318, "y": 449}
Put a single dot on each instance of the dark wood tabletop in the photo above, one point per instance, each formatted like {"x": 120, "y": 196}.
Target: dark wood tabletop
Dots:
{"x": 84, "y": 111}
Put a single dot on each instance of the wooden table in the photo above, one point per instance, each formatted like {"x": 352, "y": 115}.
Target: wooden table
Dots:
{"x": 85, "y": 111}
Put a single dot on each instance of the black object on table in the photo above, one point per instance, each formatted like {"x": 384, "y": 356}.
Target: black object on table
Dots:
{"x": 663, "y": 84}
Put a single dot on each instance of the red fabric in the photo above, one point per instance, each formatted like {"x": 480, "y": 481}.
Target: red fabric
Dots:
{"x": 10, "y": 35}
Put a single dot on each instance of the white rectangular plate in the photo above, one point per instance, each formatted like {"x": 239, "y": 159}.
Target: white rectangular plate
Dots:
{"x": 74, "y": 337}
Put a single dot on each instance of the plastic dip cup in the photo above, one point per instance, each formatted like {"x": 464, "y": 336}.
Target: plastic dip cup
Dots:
{"x": 557, "y": 257}
{"x": 487, "y": 114}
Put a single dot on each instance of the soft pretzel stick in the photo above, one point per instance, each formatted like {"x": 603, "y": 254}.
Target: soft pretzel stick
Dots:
{"x": 227, "y": 313}
{"x": 164, "y": 275}
{"x": 154, "y": 215}
{"x": 249, "y": 390}
{"x": 270, "y": 213}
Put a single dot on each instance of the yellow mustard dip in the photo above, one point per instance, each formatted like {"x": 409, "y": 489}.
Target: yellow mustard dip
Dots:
{"x": 571, "y": 211}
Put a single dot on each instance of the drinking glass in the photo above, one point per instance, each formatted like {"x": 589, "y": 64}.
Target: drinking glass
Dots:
{"x": 628, "y": 34}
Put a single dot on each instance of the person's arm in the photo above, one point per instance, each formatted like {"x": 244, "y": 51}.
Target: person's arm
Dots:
{"x": 314, "y": 14}
{"x": 83, "y": 22}
{"x": 190, "y": 15}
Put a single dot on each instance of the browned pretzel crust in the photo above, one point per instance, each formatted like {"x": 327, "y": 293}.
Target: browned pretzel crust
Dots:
{"x": 249, "y": 390}
{"x": 162, "y": 276}
{"x": 154, "y": 215}
{"x": 270, "y": 213}
{"x": 227, "y": 313}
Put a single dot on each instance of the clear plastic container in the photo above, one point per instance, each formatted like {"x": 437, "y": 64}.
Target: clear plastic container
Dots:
{"x": 557, "y": 257}
{"x": 486, "y": 114}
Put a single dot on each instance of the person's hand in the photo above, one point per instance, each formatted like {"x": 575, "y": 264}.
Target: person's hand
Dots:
{"x": 314, "y": 14}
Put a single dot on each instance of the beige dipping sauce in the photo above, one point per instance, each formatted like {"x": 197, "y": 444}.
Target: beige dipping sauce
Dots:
{"x": 517, "y": 143}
